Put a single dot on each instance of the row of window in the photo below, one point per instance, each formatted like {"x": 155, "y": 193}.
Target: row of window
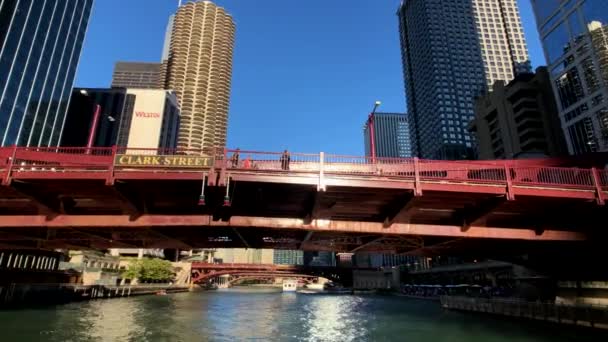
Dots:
{"x": 101, "y": 264}
{"x": 25, "y": 261}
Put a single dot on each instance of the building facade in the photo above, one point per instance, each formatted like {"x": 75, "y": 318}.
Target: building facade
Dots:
{"x": 40, "y": 45}
{"x": 138, "y": 253}
{"x": 519, "y": 119}
{"x": 134, "y": 118}
{"x": 244, "y": 256}
{"x": 391, "y": 135}
{"x": 288, "y": 257}
{"x": 451, "y": 52}
{"x": 574, "y": 36}
{"x": 199, "y": 69}
{"x": 154, "y": 122}
{"x": 319, "y": 258}
{"x": 378, "y": 260}
{"x": 140, "y": 75}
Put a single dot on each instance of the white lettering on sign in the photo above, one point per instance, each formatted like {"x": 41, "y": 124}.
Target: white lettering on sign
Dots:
{"x": 147, "y": 115}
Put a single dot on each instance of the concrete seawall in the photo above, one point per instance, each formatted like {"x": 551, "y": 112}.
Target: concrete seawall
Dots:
{"x": 17, "y": 295}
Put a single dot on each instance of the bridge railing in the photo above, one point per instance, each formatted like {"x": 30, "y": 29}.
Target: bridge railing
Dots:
{"x": 355, "y": 165}
{"x": 456, "y": 171}
{"x": 551, "y": 176}
{"x": 272, "y": 161}
{"x": 82, "y": 159}
{"x": 207, "y": 152}
{"x": 603, "y": 175}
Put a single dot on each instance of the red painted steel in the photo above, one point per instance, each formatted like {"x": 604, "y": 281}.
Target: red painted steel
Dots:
{"x": 232, "y": 266}
{"x": 202, "y": 271}
{"x": 458, "y": 176}
{"x": 199, "y": 221}
{"x": 93, "y": 130}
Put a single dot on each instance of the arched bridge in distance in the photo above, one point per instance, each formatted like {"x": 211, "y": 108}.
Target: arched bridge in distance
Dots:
{"x": 101, "y": 198}
{"x": 204, "y": 272}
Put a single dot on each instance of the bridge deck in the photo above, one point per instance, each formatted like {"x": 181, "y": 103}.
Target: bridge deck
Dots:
{"x": 103, "y": 198}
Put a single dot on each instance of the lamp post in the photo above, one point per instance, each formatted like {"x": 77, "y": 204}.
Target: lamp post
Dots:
{"x": 95, "y": 123}
{"x": 372, "y": 133}
{"x": 93, "y": 130}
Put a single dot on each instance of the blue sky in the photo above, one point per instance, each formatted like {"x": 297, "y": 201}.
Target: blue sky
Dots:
{"x": 306, "y": 73}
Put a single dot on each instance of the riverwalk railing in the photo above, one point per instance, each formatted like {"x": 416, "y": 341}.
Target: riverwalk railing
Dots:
{"x": 584, "y": 315}
{"x": 17, "y": 293}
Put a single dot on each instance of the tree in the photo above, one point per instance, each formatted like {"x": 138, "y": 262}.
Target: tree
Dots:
{"x": 149, "y": 270}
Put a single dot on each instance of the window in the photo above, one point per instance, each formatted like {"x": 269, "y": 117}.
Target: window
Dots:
{"x": 557, "y": 43}
{"x": 569, "y": 88}
{"x": 582, "y": 137}
{"x": 590, "y": 75}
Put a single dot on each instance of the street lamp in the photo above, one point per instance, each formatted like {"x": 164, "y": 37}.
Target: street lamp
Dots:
{"x": 372, "y": 133}
{"x": 93, "y": 129}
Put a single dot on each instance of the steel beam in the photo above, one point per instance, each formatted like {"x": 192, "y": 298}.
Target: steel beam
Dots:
{"x": 477, "y": 214}
{"x": 43, "y": 206}
{"x": 367, "y": 243}
{"x": 236, "y": 232}
{"x": 306, "y": 239}
{"x": 126, "y": 202}
{"x": 110, "y": 242}
{"x": 401, "y": 210}
{"x": 179, "y": 244}
{"x": 319, "y": 225}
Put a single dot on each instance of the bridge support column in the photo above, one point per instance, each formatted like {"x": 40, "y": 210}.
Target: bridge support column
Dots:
{"x": 510, "y": 195}
{"x": 417, "y": 186}
{"x": 598, "y": 186}
{"x": 321, "y": 185}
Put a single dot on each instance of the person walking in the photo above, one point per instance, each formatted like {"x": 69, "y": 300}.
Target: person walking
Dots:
{"x": 285, "y": 159}
{"x": 235, "y": 158}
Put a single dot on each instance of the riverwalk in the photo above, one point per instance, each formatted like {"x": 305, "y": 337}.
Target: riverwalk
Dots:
{"x": 581, "y": 315}
{"x": 39, "y": 294}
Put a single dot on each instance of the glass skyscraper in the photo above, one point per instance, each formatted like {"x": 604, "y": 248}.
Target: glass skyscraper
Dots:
{"x": 391, "y": 135}
{"x": 452, "y": 50}
{"x": 574, "y": 35}
{"x": 40, "y": 45}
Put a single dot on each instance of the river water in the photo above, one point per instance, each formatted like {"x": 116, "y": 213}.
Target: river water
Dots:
{"x": 260, "y": 316}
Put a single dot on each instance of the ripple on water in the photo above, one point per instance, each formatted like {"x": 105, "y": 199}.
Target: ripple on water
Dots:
{"x": 227, "y": 316}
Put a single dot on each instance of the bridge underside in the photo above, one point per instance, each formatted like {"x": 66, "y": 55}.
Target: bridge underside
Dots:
{"x": 287, "y": 212}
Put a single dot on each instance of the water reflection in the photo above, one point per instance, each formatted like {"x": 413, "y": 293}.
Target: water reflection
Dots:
{"x": 334, "y": 318}
{"x": 230, "y": 316}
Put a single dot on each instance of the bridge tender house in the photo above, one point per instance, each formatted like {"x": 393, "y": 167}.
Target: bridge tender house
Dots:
{"x": 163, "y": 161}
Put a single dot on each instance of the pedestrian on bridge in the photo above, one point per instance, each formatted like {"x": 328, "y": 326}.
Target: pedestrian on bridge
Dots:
{"x": 285, "y": 159}
{"x": 235, "y": 158}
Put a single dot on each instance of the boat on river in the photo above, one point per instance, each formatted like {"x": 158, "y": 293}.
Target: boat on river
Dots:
{"x": 290, "y": 285}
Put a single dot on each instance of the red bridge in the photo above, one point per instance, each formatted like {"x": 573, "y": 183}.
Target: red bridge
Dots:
{"x": 202, "y": 272}
{"x": 134, "y": 198}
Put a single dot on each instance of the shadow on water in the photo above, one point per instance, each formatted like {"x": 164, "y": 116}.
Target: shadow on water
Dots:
{"x": 237, "y": 316}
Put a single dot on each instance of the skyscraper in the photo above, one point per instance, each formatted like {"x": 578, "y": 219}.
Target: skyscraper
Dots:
{"x": 40, "y": 45}
{"x": 574, "y": 35}
{"x": 140, "y": 75}
{"x": 391, "y": 135}
{"x": 199, "y": 69}
{"x": 453, "y": 51}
